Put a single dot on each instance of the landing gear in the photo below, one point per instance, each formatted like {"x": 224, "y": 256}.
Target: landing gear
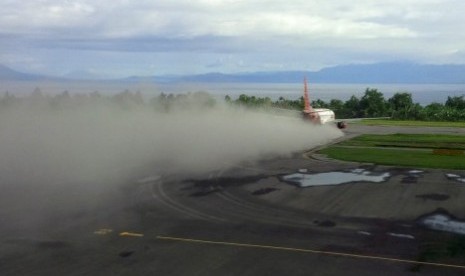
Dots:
{"x": 341, "y": 125}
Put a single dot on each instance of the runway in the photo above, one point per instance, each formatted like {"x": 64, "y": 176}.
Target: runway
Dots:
{"x": 245, "y": 220}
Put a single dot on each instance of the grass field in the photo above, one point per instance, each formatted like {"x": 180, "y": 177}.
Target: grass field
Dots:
{"x": 388, "y": 122}
{"x": 410, "y": 150}
{"x": 427, "y": 141}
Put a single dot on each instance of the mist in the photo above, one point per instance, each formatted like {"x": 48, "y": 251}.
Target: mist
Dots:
{"x": 75, "y": 156}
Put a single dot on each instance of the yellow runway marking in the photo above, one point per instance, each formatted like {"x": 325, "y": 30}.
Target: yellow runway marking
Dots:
{"x": 129, "y": 234}
{"x": 307, "y": 251}
{"x": 103, "y": 231}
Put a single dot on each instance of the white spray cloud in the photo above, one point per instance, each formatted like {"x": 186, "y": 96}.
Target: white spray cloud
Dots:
{"x": 89, "y": 142}
{"x": 72, "y": 157}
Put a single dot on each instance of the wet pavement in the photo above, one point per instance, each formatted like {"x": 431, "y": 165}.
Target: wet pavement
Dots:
{"x": 259, "y": 218}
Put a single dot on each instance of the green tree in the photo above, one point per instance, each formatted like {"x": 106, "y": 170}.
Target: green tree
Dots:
{"x": 432, "y": 112}
{"x": 319, "y": 104}
{"x": 373, "y": 104}
{"x": 416, "y": 112}
{"x": 456, "y": 102}
{"x": 200, "y": 99}
{"x": 351, "y": 108}
{"x": 8, "y": 100}
{"x": 401, "y": 105}
{"x": 243, "y": 99}
{"x": 337, "y": 106}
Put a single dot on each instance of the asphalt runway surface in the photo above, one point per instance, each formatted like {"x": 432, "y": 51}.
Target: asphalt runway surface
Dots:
{"x": 245, "y": 220}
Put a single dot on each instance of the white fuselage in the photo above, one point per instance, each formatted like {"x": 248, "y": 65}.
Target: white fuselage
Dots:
{"x": 325, "y": 115}
{"x": 319, "y": 115}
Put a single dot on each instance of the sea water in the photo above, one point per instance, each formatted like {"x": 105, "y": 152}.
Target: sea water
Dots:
{"x": 423, "y": 94}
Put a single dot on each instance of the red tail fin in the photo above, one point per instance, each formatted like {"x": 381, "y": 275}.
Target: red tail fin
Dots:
{"x": 308, "y": 107}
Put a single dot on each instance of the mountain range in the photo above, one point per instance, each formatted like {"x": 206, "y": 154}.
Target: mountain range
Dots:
{"x": 9, "y": 74}
{"x": 397, "y": 72}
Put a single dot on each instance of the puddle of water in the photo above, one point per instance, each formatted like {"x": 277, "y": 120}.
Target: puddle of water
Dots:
{"x": 456, "y": 177}
{"x": 415, "y": 171}
{"x": 335, "y": 178}
{"x": 412, "y": 176}
{"x": 358, "y": 170}
{"x": 443, "y": 222}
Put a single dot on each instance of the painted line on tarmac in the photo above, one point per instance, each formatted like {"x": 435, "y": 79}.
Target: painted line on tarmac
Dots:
{"x": 302, "y": 250}
{"x": 130, "y": 234}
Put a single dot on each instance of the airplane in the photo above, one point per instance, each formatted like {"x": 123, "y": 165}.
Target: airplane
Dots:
{"x": 318, "y": 115}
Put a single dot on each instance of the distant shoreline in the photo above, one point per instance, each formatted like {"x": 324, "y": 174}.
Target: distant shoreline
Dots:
{"x": 421, "y": 93}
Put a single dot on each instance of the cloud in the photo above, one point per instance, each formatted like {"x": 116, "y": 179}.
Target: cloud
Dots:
{"x": 29, "y": 17}
{"x": 274, "y": 28}
{"x": 180, "y": 19}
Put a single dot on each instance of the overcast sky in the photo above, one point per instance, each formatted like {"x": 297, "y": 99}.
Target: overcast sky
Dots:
{"x": 146, "y": 37}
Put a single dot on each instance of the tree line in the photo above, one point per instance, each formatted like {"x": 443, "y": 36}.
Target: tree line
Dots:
{"x": 126, "y": 100}
{"x": 372, "y": 104}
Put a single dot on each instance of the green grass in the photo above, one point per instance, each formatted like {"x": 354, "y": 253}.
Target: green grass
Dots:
{"x": 429, "y": 141}
{"x": 408, "y": 158}
{"x": 388, "y": 122}
{"x": 410, "y": 150}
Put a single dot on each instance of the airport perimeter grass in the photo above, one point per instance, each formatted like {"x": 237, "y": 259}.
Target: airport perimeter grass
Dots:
{"x": 426, "y": 141}
{"x": 389, "y": 122}
{"x": 410, "y": 150}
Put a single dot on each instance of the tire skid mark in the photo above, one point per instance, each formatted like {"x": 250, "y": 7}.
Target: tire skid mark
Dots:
{"x": 262, "y": 214}
{"x": 168, "y": 201}
{"x": 335, "y": 199}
